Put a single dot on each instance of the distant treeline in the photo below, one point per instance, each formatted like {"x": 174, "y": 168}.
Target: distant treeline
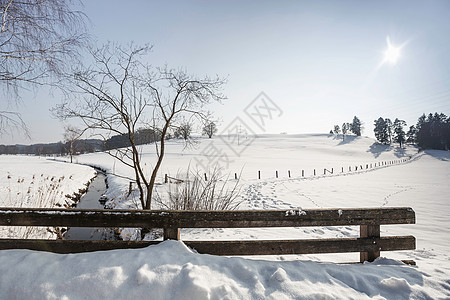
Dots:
{"x": 142, "y": 136}
{"x": 430, "y": 132}
{"x": 433, "y": 132}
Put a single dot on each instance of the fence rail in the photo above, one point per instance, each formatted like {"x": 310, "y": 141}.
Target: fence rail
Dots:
{"x": 368, "y": 244}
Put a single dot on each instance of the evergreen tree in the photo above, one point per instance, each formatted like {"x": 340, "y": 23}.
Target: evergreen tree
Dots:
{"x": 381, "y": 132}
{"x": 389, "y": 129}
{"x": 337, "y": 129}
{"x": 433, "y": 131}
{"x": 411, "y": 135}
{"x": 399, "y": 133}
{"x": 356, "y": 126}
{"x": 345, "y": 128}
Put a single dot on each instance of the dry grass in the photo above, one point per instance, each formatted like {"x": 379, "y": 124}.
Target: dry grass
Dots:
{"x": 218, "y": 192}
{"x": 39, "y": 191}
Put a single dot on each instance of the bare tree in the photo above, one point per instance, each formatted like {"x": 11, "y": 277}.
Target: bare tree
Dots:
{"x": 209, "y": 129}
{"x": 10, "y": 120}
{"x": 71, "y": 135}
{"x": 38, "y": 38}
{"x": 121, "y": 94}
{"x": 184, "y": 130}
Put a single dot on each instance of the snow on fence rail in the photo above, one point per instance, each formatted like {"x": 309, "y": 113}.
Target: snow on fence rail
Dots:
{"x": 369, "y": 244}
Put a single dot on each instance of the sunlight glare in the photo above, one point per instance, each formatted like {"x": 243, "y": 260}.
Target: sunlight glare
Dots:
{"x": 392, "y": 53}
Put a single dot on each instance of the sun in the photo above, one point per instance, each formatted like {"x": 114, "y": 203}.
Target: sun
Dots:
{"x": 392, "y": 53}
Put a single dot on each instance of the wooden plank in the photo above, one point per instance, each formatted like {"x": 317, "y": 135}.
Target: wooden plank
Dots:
{"x": 249, "y": 247}
{"x": 312, "y": 246}
{"x": 205, "y": 219}
{"x": 71, "y": 246}
{"x": 369, "y": 231}
{"x": 172, "y": 234}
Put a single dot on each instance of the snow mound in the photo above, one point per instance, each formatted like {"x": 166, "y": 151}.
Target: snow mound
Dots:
{"x": 170, "y": 270}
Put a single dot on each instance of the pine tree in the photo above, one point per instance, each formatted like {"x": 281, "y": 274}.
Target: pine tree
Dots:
{"x": 345, "y": 128}
{"x": 389, "y": 129}
{"x": 381, "y": 133}
{"x": 433, "y": 131}
{"x": 399, "y": 133}
{"x": 337, "y": 129}
{"x": 356, "y": 126}
{"x": 411, "y": 135}
{"x": 422, "y": 130}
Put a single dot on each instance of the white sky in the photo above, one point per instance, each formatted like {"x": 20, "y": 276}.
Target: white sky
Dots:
{"x": 319, "y": 61}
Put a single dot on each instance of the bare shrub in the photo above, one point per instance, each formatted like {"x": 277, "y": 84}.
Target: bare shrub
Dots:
{"x": 195, "y": 193}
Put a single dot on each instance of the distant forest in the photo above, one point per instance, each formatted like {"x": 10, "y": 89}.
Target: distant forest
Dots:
{"x": 432, "y": 131}
{"x": 142, "y": 136}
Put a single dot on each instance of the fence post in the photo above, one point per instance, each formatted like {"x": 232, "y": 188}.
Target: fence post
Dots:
{"x": 289, "y": 173}
{"x": 342, "y": 170}
{"x": 235, "y": 176}
{"x": 369, "y": 231}
{"x": 276, "y": 174}
{"x": 166, "y": 179}
{"x": 303, "y": 173}
{"x": 206, "y": 178}
{"x": 332, "y": 170}
{"x": 314, "y": 172}
{"x": 259, "y": 174}
{"x": 171, "y": 233}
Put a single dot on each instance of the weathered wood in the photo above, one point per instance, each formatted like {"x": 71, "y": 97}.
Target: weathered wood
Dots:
{"x": 204, "y": 219}
{"x": 369, "y": 231}
{"x": 309, "y": 246}
{"x": 172, "y": 234}
{"x": 246, "y": 247}
{"x": 71, "y": 246}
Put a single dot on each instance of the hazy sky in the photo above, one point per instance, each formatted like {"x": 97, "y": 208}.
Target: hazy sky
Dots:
{"x": 320, "y": 62}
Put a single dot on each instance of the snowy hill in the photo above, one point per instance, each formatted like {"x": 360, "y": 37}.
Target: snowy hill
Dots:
{"x": 172, "y": 271}
{"x": 265, "y": 153}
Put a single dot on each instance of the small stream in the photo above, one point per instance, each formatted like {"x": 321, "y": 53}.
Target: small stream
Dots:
{"x": 93, "y": 199}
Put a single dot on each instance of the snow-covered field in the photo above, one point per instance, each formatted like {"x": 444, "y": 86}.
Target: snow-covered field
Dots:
{"x": 30, "y": 181}
{"x": 171, "y": 271}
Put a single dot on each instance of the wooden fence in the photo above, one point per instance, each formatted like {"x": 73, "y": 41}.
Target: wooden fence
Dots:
{"x": 369, "y": 244}
{"x": 310, "y": 172}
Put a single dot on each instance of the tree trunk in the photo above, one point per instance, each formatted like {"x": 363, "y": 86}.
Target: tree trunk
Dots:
{"x": 148, "y": 202}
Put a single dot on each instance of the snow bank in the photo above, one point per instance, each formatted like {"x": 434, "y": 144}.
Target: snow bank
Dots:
{"x": 171, "y": 271}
